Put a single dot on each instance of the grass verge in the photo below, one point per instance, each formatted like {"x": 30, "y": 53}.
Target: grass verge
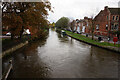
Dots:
{"x": 89, "y": 40}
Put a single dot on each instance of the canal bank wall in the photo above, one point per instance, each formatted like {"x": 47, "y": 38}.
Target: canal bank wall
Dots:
{"x": 14, "y": 48}
{"x": 114, "y": 49}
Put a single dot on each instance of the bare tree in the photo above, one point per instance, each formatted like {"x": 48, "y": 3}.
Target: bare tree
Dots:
{"x": 72, "y": 25}
{"x": 92, "y": 26}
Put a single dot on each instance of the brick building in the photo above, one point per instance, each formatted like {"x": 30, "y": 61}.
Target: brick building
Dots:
{"x": 88, "y": 25}
{"x": 85, "y": 25}
{"x": 82, "y": 25}
{"x": 107, "y": 22}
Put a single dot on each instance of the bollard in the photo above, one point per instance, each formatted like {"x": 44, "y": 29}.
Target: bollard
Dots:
{"x": 86, "y": 35}
{"x": 99, "y": 38}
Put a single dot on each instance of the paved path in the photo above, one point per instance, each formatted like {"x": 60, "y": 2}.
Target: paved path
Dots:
{"x": 105, "y": 39}
{"x": 5, "y": 36}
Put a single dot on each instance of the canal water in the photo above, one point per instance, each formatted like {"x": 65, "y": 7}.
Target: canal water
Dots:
{"x": 62, "y": 57}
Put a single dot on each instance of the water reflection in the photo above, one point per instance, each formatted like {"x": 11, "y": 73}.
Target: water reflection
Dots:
{"x": 62, "y": 38}
{"x": 100, "y": 63}
{"x": 63, "y": 57}
{"x": 53, "y": 29}
{"x": 27, "y": 64}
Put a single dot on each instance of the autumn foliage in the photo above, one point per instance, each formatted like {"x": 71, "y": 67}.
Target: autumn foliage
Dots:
{"x": 18, "y": 16}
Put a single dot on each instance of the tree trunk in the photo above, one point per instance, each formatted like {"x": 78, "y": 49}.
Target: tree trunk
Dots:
{"x": 92, "y": 30}
{"x": 21, "y": 32}
{"x": 12, "y": 36}
{"x": 92, "y": 36}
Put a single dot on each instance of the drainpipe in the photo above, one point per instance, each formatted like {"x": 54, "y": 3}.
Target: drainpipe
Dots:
{"x": 109, "y": 24}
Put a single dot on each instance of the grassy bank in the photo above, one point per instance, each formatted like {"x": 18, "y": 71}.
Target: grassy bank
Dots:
{"x": 89, "y": 40}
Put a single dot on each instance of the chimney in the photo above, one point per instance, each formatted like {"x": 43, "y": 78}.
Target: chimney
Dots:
{"x": 85, "y": 17}
{"x": 106, "y": 8}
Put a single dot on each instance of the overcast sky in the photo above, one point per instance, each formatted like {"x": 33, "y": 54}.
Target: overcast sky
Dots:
{"x": 77, "y": 9}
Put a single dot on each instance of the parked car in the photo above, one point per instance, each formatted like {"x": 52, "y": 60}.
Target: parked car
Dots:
{"x": 63, "y": 32}
{"x": 8, "y": 34}
{"x": 100, "y": 38}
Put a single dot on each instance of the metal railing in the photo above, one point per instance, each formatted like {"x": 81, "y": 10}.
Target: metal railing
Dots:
{"x": 7, "y": 72}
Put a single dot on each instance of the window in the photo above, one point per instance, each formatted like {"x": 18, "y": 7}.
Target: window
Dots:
{"x": 97, "y": 27}
{"x": 114, "y": 26}
{"x": 106, "y": 27}
{"x": 113, "y": 17}
{"x": 87, "y": 23}
{"x": 117, "y": 18}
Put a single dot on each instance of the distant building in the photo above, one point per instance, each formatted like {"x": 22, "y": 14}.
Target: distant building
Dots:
{"x": 107, "y": 22}
{"x": 84, "y": 25}
{"x": 81, "y": 22}
{"x": 78, "y": 25}
{"x": 88, "y": 25}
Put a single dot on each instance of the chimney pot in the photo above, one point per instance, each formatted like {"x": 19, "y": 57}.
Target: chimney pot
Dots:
{"x": 106, "y": 7}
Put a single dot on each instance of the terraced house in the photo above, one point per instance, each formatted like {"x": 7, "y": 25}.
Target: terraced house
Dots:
{"x": 84, "y": 25}
{"x": 107, "y": 22}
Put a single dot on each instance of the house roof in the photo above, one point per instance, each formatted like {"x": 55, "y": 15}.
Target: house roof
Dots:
{"x": 114, "y": 11}
{"x": 98, "y": 14}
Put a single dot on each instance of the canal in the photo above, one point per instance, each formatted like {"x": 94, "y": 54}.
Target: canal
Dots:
{"x": 62, "y": 57}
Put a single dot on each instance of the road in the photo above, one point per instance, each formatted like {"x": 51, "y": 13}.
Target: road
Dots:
{"x": 62, "y": 57}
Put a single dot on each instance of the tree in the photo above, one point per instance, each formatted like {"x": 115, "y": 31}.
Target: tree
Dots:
{"x": 92, "y": 26}
{"x": 53, "y": 24}
{"x": 18, "y": 16}
{"x": 72, "y": 25}
{"x": 62, "y": 23}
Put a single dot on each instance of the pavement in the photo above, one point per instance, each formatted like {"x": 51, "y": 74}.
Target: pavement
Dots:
{"x": 5, "y": 36}
{"x": 105, "y": 39}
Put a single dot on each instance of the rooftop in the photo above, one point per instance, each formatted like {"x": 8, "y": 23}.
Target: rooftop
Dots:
{"x": 114, "y": 11}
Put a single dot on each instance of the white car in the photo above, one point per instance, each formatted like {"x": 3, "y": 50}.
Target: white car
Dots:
{"x": 8, "y": 34}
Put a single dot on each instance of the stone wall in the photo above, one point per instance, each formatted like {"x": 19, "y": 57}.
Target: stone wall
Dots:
{"x": 7, "y": 52}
